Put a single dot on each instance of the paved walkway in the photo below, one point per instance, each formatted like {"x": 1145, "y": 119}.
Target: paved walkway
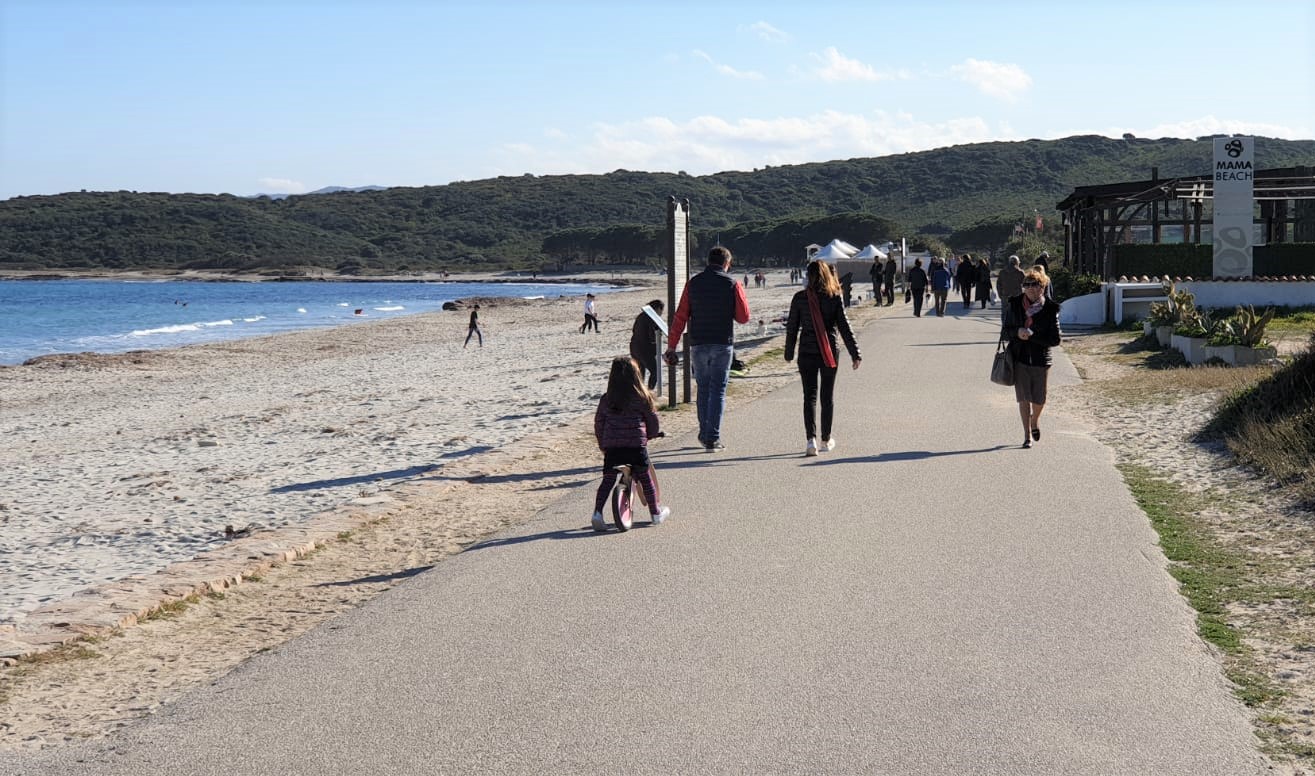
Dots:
{"x": 927, "y": 599}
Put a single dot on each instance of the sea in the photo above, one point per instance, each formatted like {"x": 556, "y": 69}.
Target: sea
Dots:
{"x": 42, "y": 317}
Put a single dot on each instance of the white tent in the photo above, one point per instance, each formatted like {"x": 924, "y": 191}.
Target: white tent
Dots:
{"x": 870, "y": 252}
{"x": 843, "y": 247}
{"x": 830, "y": 253}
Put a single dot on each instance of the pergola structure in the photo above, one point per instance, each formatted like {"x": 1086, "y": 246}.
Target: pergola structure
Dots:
{"x": 1096, "y": 218}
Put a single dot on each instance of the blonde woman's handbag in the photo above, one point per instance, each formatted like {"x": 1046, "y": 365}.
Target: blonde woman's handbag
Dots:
{"x": 1002, "y": 369}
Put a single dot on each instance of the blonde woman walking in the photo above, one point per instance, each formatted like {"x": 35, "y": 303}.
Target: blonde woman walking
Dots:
{"x": 816, "y": 314}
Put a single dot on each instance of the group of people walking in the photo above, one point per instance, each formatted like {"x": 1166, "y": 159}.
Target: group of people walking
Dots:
{"x": 713, "y": 302}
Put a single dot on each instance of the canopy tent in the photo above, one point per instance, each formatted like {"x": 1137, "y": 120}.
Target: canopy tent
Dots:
{"x": 870, "y": 252}
{"x": 830, "y": 253}
{"x": 843, "y": 247}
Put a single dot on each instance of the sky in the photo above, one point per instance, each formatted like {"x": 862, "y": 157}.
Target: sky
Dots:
{"x": 288, "y": 96}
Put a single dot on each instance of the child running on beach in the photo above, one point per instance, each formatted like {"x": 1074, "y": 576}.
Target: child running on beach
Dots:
{"x": 624, "y": 422}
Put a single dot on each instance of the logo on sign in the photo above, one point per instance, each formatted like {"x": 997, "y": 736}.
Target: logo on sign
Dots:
{"x": 1233, "y": 148}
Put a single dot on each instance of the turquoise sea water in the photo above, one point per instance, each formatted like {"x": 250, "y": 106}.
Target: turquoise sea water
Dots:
{"x": 40, "y": 317}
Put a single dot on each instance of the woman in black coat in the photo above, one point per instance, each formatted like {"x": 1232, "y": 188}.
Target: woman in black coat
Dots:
{"x": 1031, "y": 326}
{"x": 818, "y": 306}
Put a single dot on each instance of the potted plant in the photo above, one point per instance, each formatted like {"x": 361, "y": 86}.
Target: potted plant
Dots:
{"x": 1161, "y": 321}
{"x": 1243, "y": 337}
{"x": 1189, "y": 336}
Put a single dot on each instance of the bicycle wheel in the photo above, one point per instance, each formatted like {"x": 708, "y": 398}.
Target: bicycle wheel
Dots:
{"x": 621, "y": 515}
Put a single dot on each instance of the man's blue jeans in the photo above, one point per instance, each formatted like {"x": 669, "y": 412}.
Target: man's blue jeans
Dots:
{"x": 711, "y": 365}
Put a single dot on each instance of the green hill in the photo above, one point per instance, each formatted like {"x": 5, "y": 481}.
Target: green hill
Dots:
{"x": 528, "y": 220}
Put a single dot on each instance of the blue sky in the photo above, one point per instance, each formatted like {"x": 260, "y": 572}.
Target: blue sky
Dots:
{"x": 252, "y": 96}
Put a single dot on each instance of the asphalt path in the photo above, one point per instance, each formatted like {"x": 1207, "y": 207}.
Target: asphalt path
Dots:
{"x": 929, "y": 598}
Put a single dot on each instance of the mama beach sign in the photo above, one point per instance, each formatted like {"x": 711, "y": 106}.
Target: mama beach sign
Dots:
{"x": 1234, "y": 206}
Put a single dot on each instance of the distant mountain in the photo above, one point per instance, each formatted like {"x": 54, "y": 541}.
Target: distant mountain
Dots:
{"x": 335, "y": 189}
{"x": 325, "y": 190}
{"x": 517, "y": 221}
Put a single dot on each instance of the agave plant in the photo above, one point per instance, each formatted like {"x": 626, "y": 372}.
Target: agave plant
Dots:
{"x": 1247, "y": 327}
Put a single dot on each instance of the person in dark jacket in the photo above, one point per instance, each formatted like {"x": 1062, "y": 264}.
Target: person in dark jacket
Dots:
{"x": 965, "y": 277}
{"x": 711, "y": 304}
{"x": 644, "y": 337}
{"x": 473, "y": 329}
{"x": 916, "y": 281}
{"x": 983, "y": 282}
{"x": 941, "y": 279}
{"x": 816, "y": 313}
{"x": 888, "y": 278}
{"x": 1031, "y": 327}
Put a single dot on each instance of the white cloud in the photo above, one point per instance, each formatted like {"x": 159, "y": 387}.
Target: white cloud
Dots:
{"x": 727, "y": 70}
{"x": 707, "y": 144}
{"x": 769, "y": 33}
{"x": 838, "y": 67}
{"x": 281, "y": 186}
{"x": 996, "y": 79}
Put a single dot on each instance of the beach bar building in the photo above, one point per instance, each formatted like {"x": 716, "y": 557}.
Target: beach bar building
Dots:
{"x": 1100, "y": 219}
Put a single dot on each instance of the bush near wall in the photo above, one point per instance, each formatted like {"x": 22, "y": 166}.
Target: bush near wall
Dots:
{"x": 1197, "y": 261}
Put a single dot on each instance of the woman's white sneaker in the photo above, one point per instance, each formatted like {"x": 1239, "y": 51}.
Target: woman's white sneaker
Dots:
{"x": 811, "y": 450}
{"x": 598, "y": 522}
{"x": 829, "y": 444}
{"x": 662, "y": 514}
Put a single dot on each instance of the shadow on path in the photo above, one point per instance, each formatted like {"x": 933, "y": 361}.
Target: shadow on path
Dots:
{"x": 569, "y": 533}
{"x": 908, "y": 455}
{"x": 393, "y": 577}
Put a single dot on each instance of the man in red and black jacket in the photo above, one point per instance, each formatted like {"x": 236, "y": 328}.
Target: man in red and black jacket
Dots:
{"x": 711, "y": 304}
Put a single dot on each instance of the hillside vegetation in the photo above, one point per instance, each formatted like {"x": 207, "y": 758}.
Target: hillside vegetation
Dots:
{"x": 539, "y": 221}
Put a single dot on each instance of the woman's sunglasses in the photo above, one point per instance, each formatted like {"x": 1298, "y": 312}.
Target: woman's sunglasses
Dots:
{"x": 1030, "y": 284}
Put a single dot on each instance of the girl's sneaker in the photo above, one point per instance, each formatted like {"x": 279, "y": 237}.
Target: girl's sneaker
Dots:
{"x": 599, "y": 523}
{"x": 662, "y": 514}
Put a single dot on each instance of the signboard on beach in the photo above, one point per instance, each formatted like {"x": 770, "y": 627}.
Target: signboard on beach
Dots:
{"x": 677, "y": 274}
{"x": 1234, "y": 206}
{"x": 678, "y": 251}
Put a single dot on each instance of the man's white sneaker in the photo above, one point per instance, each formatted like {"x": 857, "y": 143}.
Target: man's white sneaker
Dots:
{"x": 829, "y": 444}
{"x": 811, "y": 450}
{"x": 599, "y": 523}
{"x": 662, "y": 514}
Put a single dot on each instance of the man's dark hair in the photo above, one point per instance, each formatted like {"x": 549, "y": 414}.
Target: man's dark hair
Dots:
{"x": 719, "y": 255}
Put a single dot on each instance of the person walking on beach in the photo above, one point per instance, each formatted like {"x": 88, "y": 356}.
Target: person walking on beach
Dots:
{"x": 816, "y": 313}
{"x": 1031, "y": 327}
{"x": 590, "y": 315}
{"x": 625, "y": 420}
{"x": 474, "y": 327}
{"x": 711, "y": 304}
{"x": 644, "y": 342}
{"x": 916, "y": 282}
{"x": 940, "y": 284}
{"x": 1009, "y": 284}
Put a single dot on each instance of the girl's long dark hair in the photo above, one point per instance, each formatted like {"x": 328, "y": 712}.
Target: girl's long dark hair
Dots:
{"x": 625, "y": 386}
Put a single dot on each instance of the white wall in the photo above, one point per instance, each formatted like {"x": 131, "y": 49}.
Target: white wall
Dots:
{"x": 1095, "y": 309}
